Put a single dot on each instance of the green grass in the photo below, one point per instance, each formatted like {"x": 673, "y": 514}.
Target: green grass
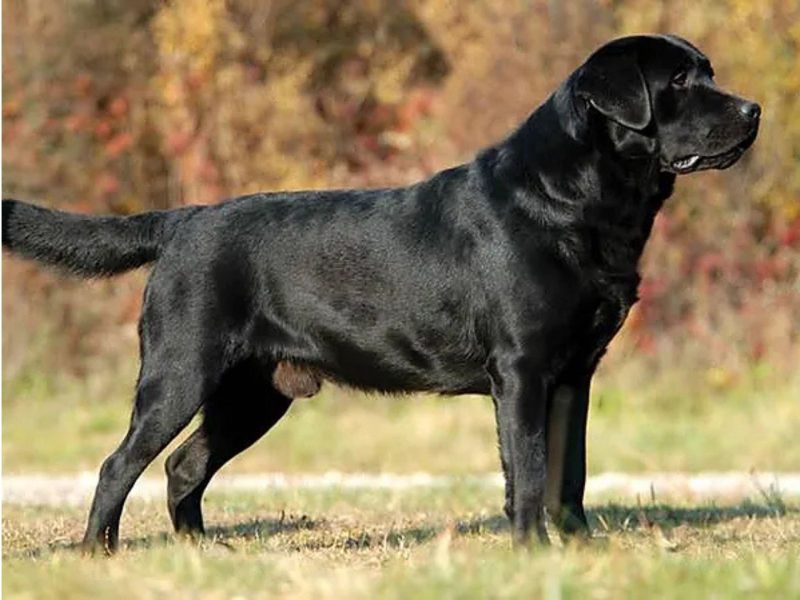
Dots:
{"x": 435, "y": 543}
{"x": 636, "y": 425}
{"x": 423, "y": 543}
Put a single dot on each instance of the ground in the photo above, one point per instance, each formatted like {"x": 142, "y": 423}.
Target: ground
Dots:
{"x": 435, "y": 541}
{"x": 444, "y": 542}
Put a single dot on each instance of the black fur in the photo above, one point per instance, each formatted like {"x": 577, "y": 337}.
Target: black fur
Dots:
{"x": 87, "y": 245}
{"x": 505, "y": 276}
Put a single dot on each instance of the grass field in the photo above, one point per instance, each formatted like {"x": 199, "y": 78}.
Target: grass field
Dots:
{"x": 442, "y": 543}
{"x": 449, "y": 542}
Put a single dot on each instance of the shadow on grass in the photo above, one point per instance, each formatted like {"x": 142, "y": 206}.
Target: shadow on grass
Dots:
{"x": 263, "y": 528}
{"x": 619, "y": 518}
{"x": 215, "y": 536}
{"x": 611, "y": 518}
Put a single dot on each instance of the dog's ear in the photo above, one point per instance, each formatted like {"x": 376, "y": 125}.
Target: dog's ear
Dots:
{"x": 611, "y": 81}
{"x": 631, "y": 143}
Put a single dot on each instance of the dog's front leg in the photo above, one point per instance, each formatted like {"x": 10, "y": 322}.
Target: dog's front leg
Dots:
{"x": 566, "y": 454}
{"x": 519, "y": 393}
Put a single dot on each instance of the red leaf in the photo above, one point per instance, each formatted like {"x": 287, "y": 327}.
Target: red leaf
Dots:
{"x": 118, "y": 144}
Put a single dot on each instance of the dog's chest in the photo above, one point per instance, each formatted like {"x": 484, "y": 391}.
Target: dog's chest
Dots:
{"x": 604, "y": 311}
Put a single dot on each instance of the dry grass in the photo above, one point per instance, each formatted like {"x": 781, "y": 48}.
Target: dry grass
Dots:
{"x": 444, "y": 542}
{"x": 422, "y": 543}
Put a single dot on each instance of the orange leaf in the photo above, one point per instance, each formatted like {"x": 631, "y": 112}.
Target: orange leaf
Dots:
{"x": 118, "y": 144}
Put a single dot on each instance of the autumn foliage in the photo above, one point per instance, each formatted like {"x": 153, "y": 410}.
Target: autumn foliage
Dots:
{"x": 121, "y": 106}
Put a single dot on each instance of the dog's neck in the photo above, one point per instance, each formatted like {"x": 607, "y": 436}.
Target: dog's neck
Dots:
{"x": 606, "y": 220}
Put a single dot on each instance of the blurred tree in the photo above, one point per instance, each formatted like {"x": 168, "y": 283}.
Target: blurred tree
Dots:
{"x": 113, "y": 105}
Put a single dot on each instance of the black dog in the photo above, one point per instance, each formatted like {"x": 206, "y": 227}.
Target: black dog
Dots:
{"x": 505, "y": 276}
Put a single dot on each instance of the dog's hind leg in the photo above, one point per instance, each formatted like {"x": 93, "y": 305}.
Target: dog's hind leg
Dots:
{"x": 244, "y": 407}
{"x": 167, "y": 397}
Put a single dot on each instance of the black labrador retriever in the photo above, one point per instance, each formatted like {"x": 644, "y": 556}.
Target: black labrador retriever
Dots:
{"x": 507, "y": 276}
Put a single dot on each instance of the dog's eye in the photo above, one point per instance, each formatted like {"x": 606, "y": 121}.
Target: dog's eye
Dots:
{"x": 679, "y": 79}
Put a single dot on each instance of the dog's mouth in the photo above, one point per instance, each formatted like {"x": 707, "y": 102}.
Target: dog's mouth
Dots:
{"x": 697, "y": 162}
{"x": 685, "y": 165}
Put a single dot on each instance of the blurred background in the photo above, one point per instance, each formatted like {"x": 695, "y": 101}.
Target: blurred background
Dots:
{"x": 127, "y": 105}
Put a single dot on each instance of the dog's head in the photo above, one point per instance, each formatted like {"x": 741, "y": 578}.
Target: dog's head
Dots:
{"x": 657, "y": 96}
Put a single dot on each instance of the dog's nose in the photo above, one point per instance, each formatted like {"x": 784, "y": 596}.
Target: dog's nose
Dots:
{"x": 751, "y": 110}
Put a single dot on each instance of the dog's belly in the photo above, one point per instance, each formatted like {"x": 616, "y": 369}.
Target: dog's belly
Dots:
{"x": 389, "y": 336}
{"x": 380, "y": 358}
{"x": 403, "y": 370}
{"x": 398, "y": 363}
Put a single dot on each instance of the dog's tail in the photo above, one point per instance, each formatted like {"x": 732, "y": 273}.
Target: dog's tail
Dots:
{"x": 87, "y": 245}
